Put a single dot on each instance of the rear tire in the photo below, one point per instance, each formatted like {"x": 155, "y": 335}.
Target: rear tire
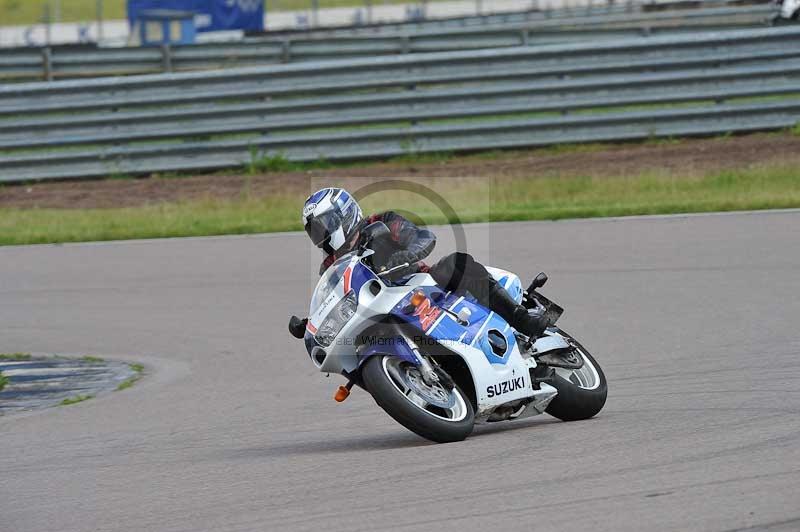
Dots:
{"x": 385, "y": 389}
{"x": 575, "y": 402}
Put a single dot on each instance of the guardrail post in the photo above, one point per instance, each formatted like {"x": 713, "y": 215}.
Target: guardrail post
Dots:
{"x": 524, "y": 37}
{"x": 286, "y": 50}
{"x": 368, "y": 4}
{"x": 314, "y": 13}
{"x": 166, "y": 57}
{"x": 405, "y": 44}
{"x": 47, "y": 63}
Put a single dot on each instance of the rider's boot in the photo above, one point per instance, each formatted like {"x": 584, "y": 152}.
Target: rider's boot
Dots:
{"x": 529, "y": 322}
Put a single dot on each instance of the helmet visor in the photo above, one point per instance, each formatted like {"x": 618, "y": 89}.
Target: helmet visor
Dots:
{"x": 320, "y": 228}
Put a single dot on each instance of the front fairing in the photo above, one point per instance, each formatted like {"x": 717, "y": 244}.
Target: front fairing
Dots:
{"x": 328, "y": 282}
{"x": 343, "y": 279}
{"x": 486, "y": 343}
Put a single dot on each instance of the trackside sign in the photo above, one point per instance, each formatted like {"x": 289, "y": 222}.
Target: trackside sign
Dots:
{"x": 210, "y": 15}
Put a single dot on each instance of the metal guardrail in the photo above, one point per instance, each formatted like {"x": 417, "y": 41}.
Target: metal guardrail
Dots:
{"x": 739, "y": 80}
{"x": 62, "y": 63}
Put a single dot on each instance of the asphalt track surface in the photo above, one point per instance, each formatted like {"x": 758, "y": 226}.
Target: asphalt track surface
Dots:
{"x": 694, "y": 319}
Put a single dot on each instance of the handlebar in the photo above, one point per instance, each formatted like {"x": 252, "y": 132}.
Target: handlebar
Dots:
{"x": 394, "y": 269}
{"x": 397, "y": 268}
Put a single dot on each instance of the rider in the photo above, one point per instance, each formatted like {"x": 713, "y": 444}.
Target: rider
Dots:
{"x": 333, "y": 220}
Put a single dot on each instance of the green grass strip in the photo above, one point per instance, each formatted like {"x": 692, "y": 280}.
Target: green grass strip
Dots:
{"x": 74, "y": 400}
{"x": 15, "y": 356}
{"x": 127, "y": 383}
{"x": 479, "y": 200}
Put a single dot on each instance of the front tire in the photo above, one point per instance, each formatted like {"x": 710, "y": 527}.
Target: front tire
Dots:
{"x": 582, "y": 393}
{"x": 432, "y": 412}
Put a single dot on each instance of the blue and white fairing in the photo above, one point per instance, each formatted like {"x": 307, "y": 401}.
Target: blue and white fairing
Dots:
{"x": 486, "y": 343}
{"x": 443, "y": 327}
{"x": 343, "y": 278}
{"x": 349, "y": 298}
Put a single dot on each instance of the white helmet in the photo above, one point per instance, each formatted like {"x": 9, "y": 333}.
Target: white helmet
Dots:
{"x": 329, "y": 216}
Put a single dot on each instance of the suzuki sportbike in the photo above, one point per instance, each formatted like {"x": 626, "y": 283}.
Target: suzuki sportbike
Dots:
{"x": 437, "y": 361}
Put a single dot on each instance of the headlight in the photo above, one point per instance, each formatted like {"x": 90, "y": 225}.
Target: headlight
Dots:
{"x": 337, "y": 318}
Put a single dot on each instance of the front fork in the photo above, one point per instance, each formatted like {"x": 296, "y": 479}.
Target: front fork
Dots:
{"x": 429, "y": 374}
{"x": 407, "y": 349}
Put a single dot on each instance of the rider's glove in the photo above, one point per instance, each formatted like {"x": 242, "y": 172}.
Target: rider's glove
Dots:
{"x": 400, "y": 257}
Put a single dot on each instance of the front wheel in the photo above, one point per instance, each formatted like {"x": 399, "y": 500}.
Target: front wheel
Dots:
{"x": 581, "y": 392}
{"x": 432, "y": 411}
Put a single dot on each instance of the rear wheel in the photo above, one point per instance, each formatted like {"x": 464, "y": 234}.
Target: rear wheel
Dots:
{"x": 581, "y": 392}
{"x": 430, "y": 410}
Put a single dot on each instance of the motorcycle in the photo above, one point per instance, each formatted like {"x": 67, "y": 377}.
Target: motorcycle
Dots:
{"x": 437, "y": 361}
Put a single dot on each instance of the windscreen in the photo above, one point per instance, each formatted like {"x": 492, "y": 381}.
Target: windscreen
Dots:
{"x": 328, "y": 281}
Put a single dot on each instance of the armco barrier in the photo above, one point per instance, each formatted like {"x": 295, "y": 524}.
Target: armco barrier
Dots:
{"x": 63, "y": 63}
{"x": 689, "y": 85}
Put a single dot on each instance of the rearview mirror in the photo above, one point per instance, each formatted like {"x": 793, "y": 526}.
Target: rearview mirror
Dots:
{"x": 539, "y": 282}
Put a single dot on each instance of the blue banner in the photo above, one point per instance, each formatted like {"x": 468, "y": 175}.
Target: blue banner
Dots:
{"x": 210, "y": 15}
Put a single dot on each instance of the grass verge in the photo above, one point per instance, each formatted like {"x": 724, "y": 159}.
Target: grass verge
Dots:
{"x": 74, "y": 400}
{"x": 15, "y": 356}
{"x": 478, "y": 200}
{"x": 3, "y": 381}
{"x": 127, "y": 383}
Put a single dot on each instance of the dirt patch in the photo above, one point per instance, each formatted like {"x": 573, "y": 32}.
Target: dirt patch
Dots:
{"x": 681, "y": 158}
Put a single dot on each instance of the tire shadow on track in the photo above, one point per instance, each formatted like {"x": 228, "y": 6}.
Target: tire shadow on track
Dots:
{"x": 355, "y": 444}
{"x": 390, "y": 441}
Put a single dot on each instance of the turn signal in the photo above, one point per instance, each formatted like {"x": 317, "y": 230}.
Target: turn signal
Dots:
{"x": 417, "y": 298}
{"x": 341, "y": 394}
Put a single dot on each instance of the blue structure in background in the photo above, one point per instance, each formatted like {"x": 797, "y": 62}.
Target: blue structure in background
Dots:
{"x": 210, "y": 15}
{"x": 165, "y": 26}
